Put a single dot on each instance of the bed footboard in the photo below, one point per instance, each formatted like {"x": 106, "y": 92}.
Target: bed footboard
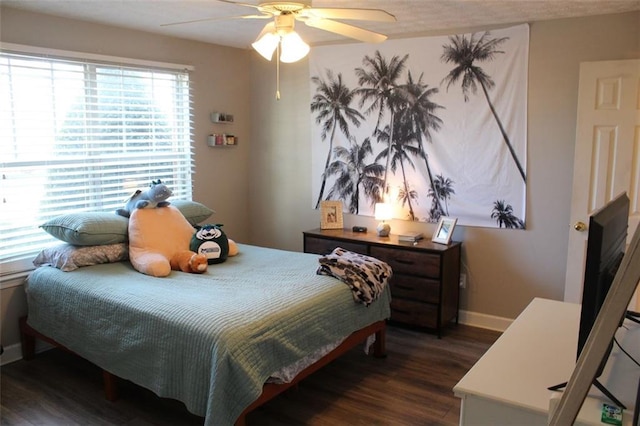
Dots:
{"x": 271, "y": 390}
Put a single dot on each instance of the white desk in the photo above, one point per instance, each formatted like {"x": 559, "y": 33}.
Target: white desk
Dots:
{"x": 508, "y": 385}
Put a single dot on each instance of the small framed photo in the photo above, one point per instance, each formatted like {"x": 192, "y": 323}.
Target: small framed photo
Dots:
{"x": 331, "y": 215}
{"x": 444, "y": 231}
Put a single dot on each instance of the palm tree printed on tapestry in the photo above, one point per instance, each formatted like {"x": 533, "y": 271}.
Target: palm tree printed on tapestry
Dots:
{"x": 466, "y": 52}
{"x": 503, "y": 214}
{"x": 331, "y": 103}
{"x": 404, "y": 128}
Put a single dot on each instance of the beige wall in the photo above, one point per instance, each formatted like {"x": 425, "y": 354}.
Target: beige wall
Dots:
{"x": 505, "y": 268}
{"x": 261, "y": 189}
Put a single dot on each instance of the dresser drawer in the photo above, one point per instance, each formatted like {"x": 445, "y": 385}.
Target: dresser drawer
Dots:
{"x": 419, "y": 289}
{"x": 411, "y": 262}
{"x": 325, "y": 246}
{"x": 414, "y": 313}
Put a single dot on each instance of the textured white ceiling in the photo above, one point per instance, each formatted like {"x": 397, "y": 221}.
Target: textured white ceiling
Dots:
{"x": 413, "y": 16}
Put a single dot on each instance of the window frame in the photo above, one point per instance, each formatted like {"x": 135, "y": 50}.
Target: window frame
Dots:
{"x": 15, "y": 266}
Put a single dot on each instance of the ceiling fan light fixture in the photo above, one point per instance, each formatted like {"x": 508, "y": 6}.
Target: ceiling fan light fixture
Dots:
{"x": 266, "y": 44}
{"x": 293, "y": 48}
{"x": 280, "y": 31}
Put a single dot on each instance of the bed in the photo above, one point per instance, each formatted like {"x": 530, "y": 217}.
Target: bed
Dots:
{"x": 211, "y": 341}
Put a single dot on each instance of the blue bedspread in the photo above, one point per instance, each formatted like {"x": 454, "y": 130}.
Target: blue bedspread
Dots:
{"x": 209, "y": 340}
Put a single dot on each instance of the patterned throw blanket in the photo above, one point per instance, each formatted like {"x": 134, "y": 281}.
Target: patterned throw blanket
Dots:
{"x": 366, "y": 276}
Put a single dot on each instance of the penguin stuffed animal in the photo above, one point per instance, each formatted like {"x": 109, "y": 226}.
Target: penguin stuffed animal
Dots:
{"x": 211, "y": 241}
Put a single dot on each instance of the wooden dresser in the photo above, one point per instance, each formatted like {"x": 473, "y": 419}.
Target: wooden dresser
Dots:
{"x": 426, "y": 276}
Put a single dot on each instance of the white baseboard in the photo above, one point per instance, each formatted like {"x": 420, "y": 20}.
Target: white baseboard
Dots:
{"x": 490, "y": 322}
{"x": 13, "y": 353}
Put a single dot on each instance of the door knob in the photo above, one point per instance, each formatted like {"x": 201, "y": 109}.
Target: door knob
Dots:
{"x": 580, "y": 226}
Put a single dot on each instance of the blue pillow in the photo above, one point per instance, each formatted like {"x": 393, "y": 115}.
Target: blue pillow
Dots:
{"x": 101, "y": 228}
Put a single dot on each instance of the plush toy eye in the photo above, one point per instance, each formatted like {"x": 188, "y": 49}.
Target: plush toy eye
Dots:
{"x": 208, "y": 233}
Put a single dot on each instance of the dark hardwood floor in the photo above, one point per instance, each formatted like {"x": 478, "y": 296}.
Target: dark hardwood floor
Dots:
{"x": 412, "y": 386}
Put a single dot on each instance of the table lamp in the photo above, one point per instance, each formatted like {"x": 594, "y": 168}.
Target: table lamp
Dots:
{"x": 382, "y": 212}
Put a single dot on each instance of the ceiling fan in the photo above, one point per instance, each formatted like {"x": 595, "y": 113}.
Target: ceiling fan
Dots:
{"x": 280, "y": 32}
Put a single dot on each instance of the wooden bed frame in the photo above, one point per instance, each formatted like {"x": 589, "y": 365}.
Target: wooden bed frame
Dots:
{"x": 269, "y": 390}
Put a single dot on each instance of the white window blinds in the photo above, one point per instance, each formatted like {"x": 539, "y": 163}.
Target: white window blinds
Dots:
{"x": 80, "y": 135}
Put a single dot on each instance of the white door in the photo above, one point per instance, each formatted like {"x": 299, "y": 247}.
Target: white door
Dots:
{"x": 607, "y": 155}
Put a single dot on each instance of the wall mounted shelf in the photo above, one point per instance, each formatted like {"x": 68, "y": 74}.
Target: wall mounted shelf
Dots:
{"x": 221, "y": 118}
{"x": 221, "y": 139}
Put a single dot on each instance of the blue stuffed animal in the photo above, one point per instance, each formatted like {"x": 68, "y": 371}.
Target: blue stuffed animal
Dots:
{"x": 153, "y": 197}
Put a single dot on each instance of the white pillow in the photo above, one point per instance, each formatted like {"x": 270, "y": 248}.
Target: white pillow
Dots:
{"x": 68, "y": 257}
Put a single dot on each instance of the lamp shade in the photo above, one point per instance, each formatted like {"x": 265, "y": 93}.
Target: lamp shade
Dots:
{"x": 293, "y": 48}
{"x": 383, "y": 211}
{"x": 266, "y": 44}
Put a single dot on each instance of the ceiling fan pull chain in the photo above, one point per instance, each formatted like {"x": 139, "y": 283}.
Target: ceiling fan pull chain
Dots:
{"x": 278, "y": 72}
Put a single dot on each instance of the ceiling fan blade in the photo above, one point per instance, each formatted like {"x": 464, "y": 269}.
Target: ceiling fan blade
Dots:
{"x": 221, "y": 18}
{"x": 346, "y": 30}
{"x": 378, "y": 15}
{"x": 240, "y": 4}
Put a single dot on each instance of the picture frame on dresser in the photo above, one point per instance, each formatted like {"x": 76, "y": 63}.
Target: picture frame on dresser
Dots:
{"x": 331, "y": 215}
{"x": 444, "y": 230}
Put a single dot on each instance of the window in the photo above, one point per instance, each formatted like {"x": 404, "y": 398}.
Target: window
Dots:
{"x": 78, "y": 135}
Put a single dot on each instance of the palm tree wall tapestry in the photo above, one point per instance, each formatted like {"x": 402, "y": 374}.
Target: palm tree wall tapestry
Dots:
{"x": 434, "y": 125}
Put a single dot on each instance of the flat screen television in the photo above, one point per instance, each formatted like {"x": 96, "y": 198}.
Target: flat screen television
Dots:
{"x": 606, "y": 245}
{"x": 605, "y": 249}
{"x": 596, "y": 349}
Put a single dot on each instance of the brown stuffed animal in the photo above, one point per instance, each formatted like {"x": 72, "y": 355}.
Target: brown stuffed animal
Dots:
{"x": 233, "y": 248}
{"x": 155, "y": 237}
{"x": 188, "y": 261}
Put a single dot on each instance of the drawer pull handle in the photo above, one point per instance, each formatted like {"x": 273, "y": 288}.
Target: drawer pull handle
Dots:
{"x": 400, "y": 311}
{"x": 404, "y": 262}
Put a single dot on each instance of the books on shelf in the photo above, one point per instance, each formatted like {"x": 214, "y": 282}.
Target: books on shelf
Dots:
{"x": 410, "y": 236}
